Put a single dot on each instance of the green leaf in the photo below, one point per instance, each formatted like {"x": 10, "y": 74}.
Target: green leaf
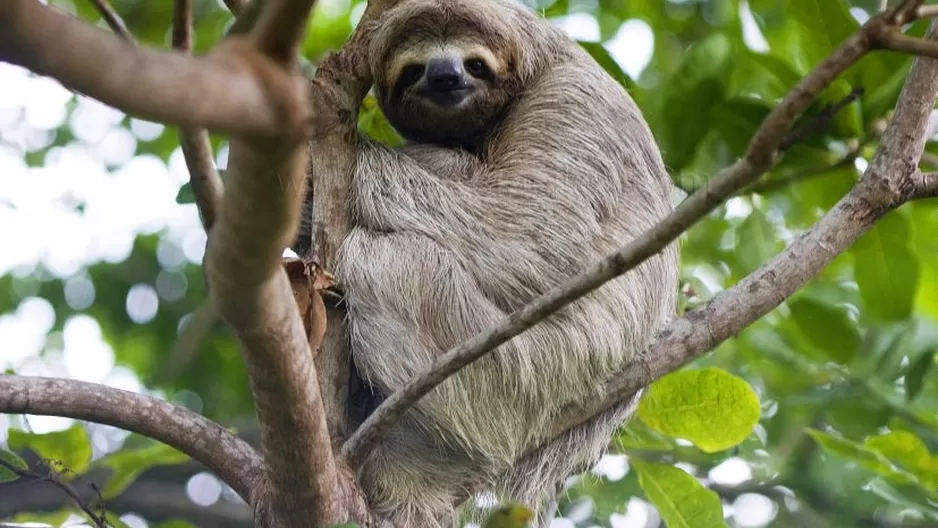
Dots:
{"x": 55, "y": 518}
{"x": 862, "y": 455}
{"x": 909, "y": 452}
{"x": 827, "y": 327}
{"x": 115, "y": 521}
{"x": 851, "y": 450}
{"x": 885, "y": 269}
{"x": 761, "y": 74}
{"x": 185, "y": 194}
{"x": 848, "y": 121}
{"x": 915, "y": 378}
{"x": 686, "y": 404}
{"x": 637, "y": 435}
{"x": 373, "y": 122}
{"x": 11, "y": 459}
{"x": 128, "y": 464}
{"x": 804, "y": 32}
{"x": 680, "y": 499}
{"x": 689, "y": 96}
{"x": 175, "y": 523}
{"x": 737, "y": 121}
{"x": 757, "y": 241}
{"x": 71, "y": 447}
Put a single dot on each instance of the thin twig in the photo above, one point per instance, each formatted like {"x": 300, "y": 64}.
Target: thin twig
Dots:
{"x": 50, "y": 476}
{"x": 818, "y": 122}
{"x": 774, "y": 184}
{"x": 895, "y": 41}
{"x": 114, "y": 21}
{"x": 928, "y": 188}
{"x": 760, "y": 156}
{"x": 195, "y": 142}
{"x": 232, "y": 459}
{"x": 182, "y": 25}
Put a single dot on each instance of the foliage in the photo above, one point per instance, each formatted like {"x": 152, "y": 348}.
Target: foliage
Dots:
{"x": 833, "y": 395}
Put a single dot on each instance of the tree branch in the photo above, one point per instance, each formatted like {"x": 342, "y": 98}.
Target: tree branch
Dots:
{"x": 232, "y": 459}
{"x": 890, "y": 180}
{"x": 195, "y": 143}
{"x": 247, "y": 94}
{"x": 928, "y": 187}
{"x": 113, "y": 20}
{"x": 760, "y": 156}
{"x": 265, "y": 186}
{"x": 49, "y": 475}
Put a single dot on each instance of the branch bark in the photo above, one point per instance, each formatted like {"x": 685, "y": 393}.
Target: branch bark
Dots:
{"x": 258, "y": 217}
{"x": 232, "y": 459}
{"x": 760, "y": 156}
{"x": 244, "y": 93}
{"x": 195, "y": 143}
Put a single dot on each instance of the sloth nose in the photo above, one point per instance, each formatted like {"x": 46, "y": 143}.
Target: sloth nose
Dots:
{"x": 443, "y": 74}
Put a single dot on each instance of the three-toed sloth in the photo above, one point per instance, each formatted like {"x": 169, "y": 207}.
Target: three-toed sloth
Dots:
{"x": 525, "y": 162}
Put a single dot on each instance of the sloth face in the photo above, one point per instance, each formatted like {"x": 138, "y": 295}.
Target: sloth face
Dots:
{"x": 444, "y": 91}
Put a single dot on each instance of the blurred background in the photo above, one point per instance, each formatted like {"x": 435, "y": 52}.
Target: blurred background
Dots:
{"x": 100, "y": 280}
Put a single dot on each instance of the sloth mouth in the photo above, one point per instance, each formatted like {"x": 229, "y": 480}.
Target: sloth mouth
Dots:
{"x": 447, "y": 97}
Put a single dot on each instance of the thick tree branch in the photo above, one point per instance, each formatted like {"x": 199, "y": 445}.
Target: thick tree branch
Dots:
{"x": 232, "y": 459}
{"x": 237, "y": 91}
{"x": 259, "y": 214}
{"x": 890, "y": 180}
{"x": 760, "y": 156}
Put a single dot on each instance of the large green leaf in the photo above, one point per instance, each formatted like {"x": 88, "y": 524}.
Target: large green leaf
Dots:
{"x": 865, "y": 456}
{"x": 886, "y": 270}
{"x": 679, "y": 498}
{"x": 827, "y": 327}
{"x": 689, "y": 95}
{"x": 71, "y": 448}
{"x": 908, "y": 452}
{"x": 803, "y": 32}
{"x": 686, "y": 404}
{"x": 128, "y": 464}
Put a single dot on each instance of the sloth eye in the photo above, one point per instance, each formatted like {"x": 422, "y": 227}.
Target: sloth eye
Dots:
{"x": 477, "y": 68}
{"x": 410, "y": 74}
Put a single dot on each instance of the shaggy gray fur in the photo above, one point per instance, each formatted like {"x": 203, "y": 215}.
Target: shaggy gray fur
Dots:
{"x": 447, "y": 242}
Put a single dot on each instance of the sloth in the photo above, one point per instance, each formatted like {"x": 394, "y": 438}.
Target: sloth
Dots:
{"x": 524, "y": 162}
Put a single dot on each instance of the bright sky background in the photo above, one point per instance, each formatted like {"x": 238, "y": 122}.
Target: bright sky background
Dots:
{"x": 125, "y": 195}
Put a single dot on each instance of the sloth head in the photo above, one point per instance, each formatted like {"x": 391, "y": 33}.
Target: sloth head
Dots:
{"x": 446, "y": 70}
